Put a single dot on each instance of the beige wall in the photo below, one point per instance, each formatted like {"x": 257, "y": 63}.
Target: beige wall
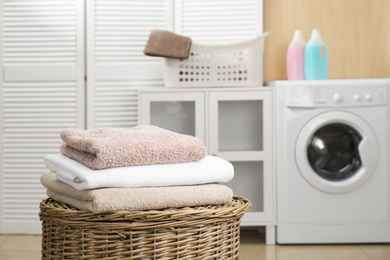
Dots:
{"x": 356, "y": 33}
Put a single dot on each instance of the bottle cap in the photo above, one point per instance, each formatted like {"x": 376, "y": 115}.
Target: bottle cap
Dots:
{"x": 315, "y": 38}
{"x": 298, "y": 34}
{"x": 298, "y": 39}
{"x": 316, "y": 33}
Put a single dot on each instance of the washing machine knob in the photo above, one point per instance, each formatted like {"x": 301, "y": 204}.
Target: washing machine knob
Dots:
{"x": 368, "y": 97}
{"x": 356, "y": 97}
{"x": 336, "y": 97}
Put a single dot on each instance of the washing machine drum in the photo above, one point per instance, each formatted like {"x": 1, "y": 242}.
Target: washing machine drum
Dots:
{"x": 333, "y": 151}
{"x": 336, "y": 152}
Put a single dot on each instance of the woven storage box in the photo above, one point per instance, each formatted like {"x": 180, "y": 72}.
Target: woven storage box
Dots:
{"x": 230, "y": 65}
{"x": 207, "y": 232}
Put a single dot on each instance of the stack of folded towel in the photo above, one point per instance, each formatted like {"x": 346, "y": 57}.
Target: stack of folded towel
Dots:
{"x": 139, "y": 168}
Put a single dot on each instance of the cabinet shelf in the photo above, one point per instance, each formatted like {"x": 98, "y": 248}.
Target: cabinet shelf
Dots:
{"x": 242, "y": 156}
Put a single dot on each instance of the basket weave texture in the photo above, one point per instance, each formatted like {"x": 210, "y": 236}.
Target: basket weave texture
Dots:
{"x": 203, "y": 232}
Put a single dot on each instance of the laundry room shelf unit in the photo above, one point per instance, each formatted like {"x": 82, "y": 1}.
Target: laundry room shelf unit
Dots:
{"x": 235, "y": 124}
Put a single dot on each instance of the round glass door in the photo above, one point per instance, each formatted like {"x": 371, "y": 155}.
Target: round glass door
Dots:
{"x": 333, "y": 152}
{"x": 336, "y": 152}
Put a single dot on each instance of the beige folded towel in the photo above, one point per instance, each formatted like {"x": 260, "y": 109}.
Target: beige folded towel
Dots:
{"x": 102, "y": 148}
{"x": 111, "y": 199}
{"x": 167, "y": 44}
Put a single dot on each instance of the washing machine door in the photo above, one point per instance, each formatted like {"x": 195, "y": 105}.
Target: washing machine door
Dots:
{"x": 337, "y": 152}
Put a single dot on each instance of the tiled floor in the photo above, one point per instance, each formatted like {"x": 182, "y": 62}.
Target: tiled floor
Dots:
{"x": 23, "y": 247}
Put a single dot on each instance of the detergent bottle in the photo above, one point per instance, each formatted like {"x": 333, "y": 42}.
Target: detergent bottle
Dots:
{"x": 316, "y": 57}
{"x": 295, "y": 57}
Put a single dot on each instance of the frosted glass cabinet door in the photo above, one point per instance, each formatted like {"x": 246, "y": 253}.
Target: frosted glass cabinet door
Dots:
{"x": 241, "y": 131}
{"x": 181, "y": 112}
{"x": 240, "y": 124}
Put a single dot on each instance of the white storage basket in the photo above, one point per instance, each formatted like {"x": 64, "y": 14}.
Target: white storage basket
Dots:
{"x": 230, "y": 65}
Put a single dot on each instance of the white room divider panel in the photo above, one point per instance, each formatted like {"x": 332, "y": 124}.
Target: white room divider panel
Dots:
{"x": 41, "y": 88}
{"x": 117, "y": 32}
{"x": 219, "y": 21}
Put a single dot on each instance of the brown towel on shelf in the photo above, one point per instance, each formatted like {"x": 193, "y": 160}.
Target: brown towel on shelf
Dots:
{"x": 111, "y": 199}
{"x": 167, "y": 44}
{"x": 102, "y": 148}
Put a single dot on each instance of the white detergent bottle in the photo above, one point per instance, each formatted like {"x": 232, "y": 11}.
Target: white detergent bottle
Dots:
{"x": 316, "y": 57}
{"x": 295, "y": 57}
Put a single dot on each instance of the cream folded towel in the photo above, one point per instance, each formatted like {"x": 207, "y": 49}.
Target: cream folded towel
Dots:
{"x": 102, "y": 148}
{"x": 211, "y": 169}
{"x": 131, "y": 199}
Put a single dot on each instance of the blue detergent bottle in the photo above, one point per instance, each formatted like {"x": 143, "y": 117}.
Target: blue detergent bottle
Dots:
{"x": 316, "y": 57}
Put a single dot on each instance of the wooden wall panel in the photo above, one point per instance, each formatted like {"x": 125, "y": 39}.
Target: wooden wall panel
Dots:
{"x": 356, "y": 33}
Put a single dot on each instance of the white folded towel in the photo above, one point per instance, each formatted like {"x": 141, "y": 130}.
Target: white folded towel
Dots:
{"x": 211, "y": 169}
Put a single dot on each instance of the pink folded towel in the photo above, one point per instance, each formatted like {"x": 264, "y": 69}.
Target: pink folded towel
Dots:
{"x": 103, "y": 148}
{"x": 112, "y": 199}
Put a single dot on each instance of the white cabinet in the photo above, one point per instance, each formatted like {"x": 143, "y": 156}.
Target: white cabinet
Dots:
{"x": 235, "y": 124}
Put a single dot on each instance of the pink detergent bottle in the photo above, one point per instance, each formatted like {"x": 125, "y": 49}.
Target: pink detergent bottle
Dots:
{"x": 295, "y": 57}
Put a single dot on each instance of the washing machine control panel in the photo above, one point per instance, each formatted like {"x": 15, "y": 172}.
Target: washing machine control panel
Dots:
{"x": 335, "y": 95}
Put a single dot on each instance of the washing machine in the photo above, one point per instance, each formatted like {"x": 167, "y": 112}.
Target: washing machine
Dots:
{"x": 332, "y": 161}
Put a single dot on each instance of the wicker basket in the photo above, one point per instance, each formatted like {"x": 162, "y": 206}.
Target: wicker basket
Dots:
{"x": 207, "y": 232}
